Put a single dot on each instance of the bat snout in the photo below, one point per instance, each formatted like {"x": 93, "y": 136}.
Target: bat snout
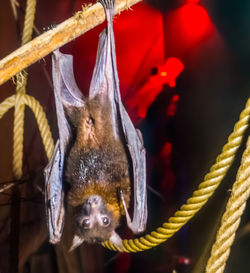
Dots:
{"x": 95, "y": 201}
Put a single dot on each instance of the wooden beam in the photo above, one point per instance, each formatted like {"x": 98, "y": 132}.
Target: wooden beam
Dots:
{"x": 65, "y": 32}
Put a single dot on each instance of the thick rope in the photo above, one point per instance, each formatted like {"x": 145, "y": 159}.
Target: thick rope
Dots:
{"x": 21, "y": 81}
{"x": 42, "y": 122}
{"x": 200, "y": 196}
{"x": 29, "y": 21}
{"x": 18, "y": 129}
{"x": 40, "y": 116}
{"x": 18, "y": 136}
{"x": 231, "y": 218}
{"x": 6, "y": 105}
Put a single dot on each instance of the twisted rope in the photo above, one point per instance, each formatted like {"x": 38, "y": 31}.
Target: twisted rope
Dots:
{"x": 42, "y": 122}
{"x": 18, "y": 136}
{"x": 231, "y": 218}
{"x": 28, "y": 21}
{"x": 18, "y": 129}
{"x": 199, "y": 197}
{"x": 21, "y": 81}
{"x": 6, "y": 105}
{"x": 40, "y": 116}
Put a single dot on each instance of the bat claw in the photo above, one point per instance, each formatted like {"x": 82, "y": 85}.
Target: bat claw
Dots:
{"x": 77, "y": 241}
{"x": 129, "y": 222}
{"x": 117, "y": 241}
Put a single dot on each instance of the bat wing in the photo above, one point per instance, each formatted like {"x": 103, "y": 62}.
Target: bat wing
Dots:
{"x": 105, "y": 81}
{"x": 54, "y": 195}
{"x": 67, "y": 95}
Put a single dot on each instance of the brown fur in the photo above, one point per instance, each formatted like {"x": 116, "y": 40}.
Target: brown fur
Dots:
{"x": 109, "y": 194}
{"x": 97, "y": 163}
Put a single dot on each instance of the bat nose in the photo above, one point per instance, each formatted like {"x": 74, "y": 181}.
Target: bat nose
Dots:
{"x": 95, "y": 200}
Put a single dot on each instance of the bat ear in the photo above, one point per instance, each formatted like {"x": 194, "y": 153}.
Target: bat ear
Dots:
{"x": 63, "y": 78}
{"x": 77, "y": 241}
{"x": 116, "y": 240}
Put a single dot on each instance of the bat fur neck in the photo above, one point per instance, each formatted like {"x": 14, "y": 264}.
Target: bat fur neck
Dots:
{"x": 108, "y": 192}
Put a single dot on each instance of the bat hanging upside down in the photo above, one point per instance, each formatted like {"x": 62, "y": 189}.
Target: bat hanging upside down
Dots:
{"x": 97, "y": 151}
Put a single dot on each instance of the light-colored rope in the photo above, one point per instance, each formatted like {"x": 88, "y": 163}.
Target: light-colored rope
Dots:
{"x": 199, "y": 197}
{"x": 231, "y": 218}
{"x": 18, "y": 136}
{"x": 18, "y": 129}
{"x": 6, "y": 105}
{"x": 40, "y": 116}
{"x": 21, "y": 81}
{"x": 42, "y": 122}
{"x": 29, "y": 21}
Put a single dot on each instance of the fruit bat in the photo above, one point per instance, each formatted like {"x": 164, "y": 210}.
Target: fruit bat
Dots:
{"x": 99, "y": 153}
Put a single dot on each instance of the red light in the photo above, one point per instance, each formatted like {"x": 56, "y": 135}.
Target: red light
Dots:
{"x": 184, "y": 260}
{"x": 167, "y": 74}
{"x": 163, "y": 73}
{"x": 166, "y": 150}
{"x": 174, "y": 67}
{"x": 193, "y": 1}
{"x": 175, "y": 98}
{"x": 194, "y": 22}
{"x": 172, "y": 109}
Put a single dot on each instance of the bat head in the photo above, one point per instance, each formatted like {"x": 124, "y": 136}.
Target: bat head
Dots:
{"x": 94, "y": 223}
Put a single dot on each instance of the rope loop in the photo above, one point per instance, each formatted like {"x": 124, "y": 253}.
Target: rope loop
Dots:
{"x": 199, "y": 198}
{"x": 42, "y": 122}
{"x": 37, "y": 109}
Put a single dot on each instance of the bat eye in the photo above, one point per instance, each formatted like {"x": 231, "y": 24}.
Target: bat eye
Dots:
{"x": 86, "y": 223}
{"x": 105, "y": 221}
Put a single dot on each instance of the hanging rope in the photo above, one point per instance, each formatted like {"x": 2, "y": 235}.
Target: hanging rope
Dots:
{"x": 231, "y": 218}
{"x": 42, "y": 122}
{"x": 20, "y": 99}
{"x": 40, "y": 116}
{"x": 199, "y": 197}
{"x": 21, "y": 81}
{"x": 6, "y": 105}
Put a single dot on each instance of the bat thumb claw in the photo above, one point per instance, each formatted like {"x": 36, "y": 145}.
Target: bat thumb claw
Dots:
{"x": 117, "y": 241}
{"x": 77, "y": 241}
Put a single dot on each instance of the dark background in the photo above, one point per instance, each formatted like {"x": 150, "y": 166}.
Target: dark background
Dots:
{"x": 184, "y": 127}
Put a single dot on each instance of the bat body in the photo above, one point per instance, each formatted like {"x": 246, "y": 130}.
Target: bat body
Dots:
{"x": 97, "y": 170}
{"x": 99, "y": 152}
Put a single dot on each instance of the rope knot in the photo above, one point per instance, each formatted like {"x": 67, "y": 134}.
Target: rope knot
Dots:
{"x": 20, "y": 81}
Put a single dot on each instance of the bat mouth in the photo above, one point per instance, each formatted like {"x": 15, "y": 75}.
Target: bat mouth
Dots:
{"x": 97, "y": 240}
